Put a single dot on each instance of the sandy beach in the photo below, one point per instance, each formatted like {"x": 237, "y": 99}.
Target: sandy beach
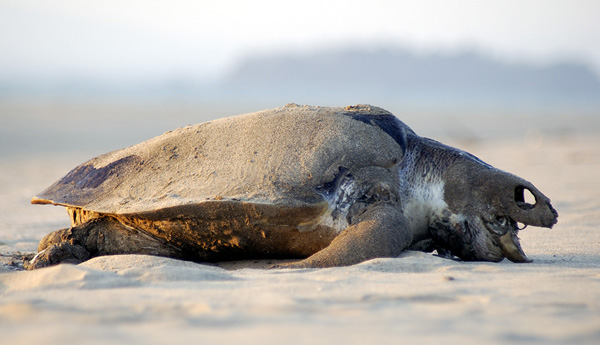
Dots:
{"x": 415, "y": 298}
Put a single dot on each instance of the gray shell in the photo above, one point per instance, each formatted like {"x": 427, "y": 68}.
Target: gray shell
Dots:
{"x": 280, "y": 156}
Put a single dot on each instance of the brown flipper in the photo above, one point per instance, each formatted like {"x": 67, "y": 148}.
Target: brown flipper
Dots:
{"x": 381, "y": 231}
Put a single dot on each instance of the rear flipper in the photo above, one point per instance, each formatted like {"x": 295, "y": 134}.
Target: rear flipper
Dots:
{"x": 97, "y": 237}
{"x": 381, "y": 231}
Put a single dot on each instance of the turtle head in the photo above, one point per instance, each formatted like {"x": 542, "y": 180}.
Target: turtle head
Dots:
{"x": 486, "y": 209}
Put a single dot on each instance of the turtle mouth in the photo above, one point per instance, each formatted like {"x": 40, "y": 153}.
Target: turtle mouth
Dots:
{"x": 504, "y": 231}
{"x": 467, "y": 239}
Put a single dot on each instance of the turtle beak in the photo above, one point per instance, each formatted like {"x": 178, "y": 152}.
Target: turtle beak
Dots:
{"x": 505, "y": 230}
{"x": 541, "y": 213}
{"x": 511, "y": 247}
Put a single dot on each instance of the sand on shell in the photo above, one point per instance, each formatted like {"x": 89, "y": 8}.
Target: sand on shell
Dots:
{"x": 415, "y": 298}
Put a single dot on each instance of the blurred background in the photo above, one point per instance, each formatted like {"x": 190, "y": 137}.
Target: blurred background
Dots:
{"x": 79, "y": 78}
{"x": 99, "y": 75}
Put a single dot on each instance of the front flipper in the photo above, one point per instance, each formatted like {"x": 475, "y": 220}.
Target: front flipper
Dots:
{"x": 381, "y": 231}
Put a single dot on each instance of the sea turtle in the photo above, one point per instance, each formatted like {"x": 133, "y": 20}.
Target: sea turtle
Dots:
{"x": 334, "y": 186}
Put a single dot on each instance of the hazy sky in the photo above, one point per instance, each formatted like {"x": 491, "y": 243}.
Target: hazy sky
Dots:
{"x": 151, "y": 39}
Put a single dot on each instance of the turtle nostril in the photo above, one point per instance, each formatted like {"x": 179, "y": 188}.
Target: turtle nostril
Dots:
{"x": 524, "y": 198}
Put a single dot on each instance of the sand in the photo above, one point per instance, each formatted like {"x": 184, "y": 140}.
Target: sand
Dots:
{"x": 415, "y": 298}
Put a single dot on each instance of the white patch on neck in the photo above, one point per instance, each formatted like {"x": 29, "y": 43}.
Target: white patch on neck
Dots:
{"x": 424, "y": 202}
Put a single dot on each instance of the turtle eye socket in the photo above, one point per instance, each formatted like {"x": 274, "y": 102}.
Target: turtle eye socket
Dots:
{"x": 502, "y": 221}
{"x": 524, "y": 198}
